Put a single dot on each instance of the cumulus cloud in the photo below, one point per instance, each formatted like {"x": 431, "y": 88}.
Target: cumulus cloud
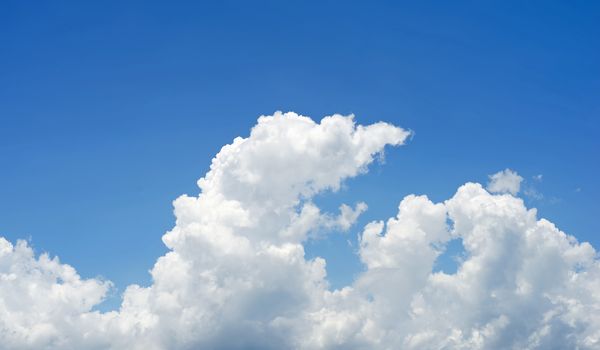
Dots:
{"x": 43, "y": 303}
{"x": 505, "y": 181}
{"x": 236, "y": 275}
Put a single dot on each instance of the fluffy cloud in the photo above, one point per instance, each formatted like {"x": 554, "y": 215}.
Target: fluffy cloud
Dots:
{"x": 236, "y": 275}
{"x": 505, "y": 181}
{"x": 43, "y": 303}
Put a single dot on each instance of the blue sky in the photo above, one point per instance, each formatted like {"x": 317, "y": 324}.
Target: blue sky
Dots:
{"x": 109, "y": 111}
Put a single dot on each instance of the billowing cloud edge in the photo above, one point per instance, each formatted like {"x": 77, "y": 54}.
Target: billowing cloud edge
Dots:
{"x": 236, "y": 275}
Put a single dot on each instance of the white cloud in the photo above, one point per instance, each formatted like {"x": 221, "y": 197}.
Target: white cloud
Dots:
{"x": 236, "y": 275}
{"x": 505, "y": 181}
{"x": 309, "y": 218}
{"x": 43, "y": 303}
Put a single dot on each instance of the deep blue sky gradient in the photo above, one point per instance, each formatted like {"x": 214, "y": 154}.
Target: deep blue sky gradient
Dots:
{"x": 110, "y": 110}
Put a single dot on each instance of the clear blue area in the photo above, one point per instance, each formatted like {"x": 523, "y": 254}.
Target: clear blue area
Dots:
{"x": 109, "y": 110}
{"x": 452, "y": 256}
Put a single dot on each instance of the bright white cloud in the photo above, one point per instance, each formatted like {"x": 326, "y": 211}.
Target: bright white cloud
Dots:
{"x": 43, "y": 303}
{"x": 505, "y": 181}
{"x": 236, "y": 275}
